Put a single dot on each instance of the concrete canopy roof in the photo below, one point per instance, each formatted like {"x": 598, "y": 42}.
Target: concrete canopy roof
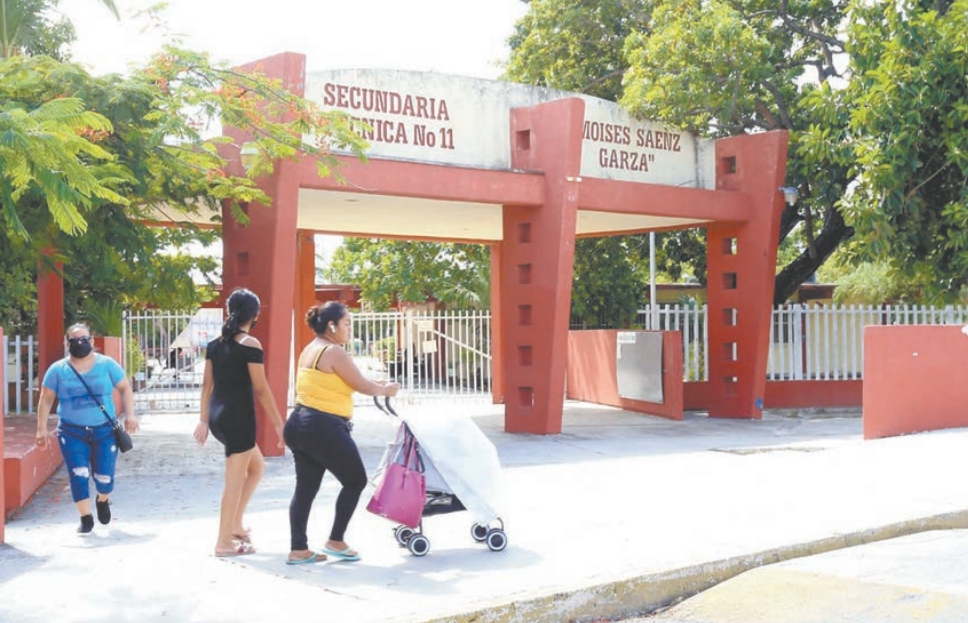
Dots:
{"x": 357, "y": 214}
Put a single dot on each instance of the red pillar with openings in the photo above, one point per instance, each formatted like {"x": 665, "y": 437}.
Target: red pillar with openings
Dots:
{"x": 741, "y": 260}
{"x": 537, "y": 260}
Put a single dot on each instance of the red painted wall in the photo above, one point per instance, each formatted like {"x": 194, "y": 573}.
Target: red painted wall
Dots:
{"x": 3, "y": 414}
{"x": 913, "y": 379}
{"x": 592, "y": 374}
{"x": 787, "y": 395}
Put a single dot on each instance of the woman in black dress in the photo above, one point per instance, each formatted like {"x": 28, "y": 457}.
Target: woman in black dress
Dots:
{"x": 234, "y": 379}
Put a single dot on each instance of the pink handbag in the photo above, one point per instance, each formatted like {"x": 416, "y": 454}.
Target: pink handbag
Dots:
{"x": 401, "y": 492}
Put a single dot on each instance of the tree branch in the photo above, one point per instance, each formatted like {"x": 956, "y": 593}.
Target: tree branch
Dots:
{"x": 601, "y": 79}
{"x": 834, "y": 232}
{"x": 784, "y": 14}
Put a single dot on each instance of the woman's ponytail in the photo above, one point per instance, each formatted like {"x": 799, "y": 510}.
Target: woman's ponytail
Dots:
{"x": 242, "y": 306}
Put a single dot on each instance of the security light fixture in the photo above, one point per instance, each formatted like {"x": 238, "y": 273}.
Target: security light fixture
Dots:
{"x": 790, "y": 194}
{"x": 248, "y": 155}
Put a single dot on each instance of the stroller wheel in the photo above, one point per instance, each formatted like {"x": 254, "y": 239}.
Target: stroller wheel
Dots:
{"x": 418, "y": 545}
{"x": 496, "y": 540}
{"x": 479, "y": 532}
{"x": 402, "y": 534}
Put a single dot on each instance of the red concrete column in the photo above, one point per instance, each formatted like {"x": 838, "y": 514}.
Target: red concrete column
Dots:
{"x": 741, "y": 260}
{"x": 305, "y": 290}
{"x": 537, "y": 260}
{"x": 50, "y": 311}
{"x": 263, "y": 255}
{"x": 3, "y": 414}
{"x": 497, "y": 327}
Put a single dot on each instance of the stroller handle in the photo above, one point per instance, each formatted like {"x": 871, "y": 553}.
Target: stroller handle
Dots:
{"x": 385, "y": 407}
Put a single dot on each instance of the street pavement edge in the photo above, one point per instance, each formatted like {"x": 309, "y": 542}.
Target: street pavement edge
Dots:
{"x": 652, "y": 593}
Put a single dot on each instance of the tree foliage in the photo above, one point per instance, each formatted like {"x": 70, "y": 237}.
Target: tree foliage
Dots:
{"x": 607, "y": 287}
{"x": 718, "y": 68}
{"x": 87, "y": 162}
{"x": 872, "y": 93}
{"x": 908, "y": 121}
{"x": 452, "y": 274}
{"x": 33, "y": 28}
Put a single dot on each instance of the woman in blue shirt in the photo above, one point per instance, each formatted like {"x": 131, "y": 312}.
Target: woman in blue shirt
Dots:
{"x": 85, "y": 435}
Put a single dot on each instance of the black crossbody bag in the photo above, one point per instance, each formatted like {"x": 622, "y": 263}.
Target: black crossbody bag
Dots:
{"x": 121, "y": 436}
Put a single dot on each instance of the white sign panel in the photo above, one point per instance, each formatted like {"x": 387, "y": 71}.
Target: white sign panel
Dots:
{"x": 455, "y": 120}
{"x": 617, "y": 146}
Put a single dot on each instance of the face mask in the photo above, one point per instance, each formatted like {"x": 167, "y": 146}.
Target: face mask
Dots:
{"x": 79, "y": 348}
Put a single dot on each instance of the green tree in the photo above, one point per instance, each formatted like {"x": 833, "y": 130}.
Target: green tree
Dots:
{"x": 718, "y": 68}
{"x": 908, "y": 134}
{"x": 607, "y": 288}
{"x": 32, "y": 28}
{"x": 579, "y": 46}
{"x": 388, "y": 272}
{"x": 86, "y": 162}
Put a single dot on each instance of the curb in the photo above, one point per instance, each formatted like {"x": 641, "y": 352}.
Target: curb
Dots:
{"x": 648, "y": 593}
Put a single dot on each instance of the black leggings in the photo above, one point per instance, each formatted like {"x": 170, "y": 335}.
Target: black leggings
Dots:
{"x": 321, "y": 441}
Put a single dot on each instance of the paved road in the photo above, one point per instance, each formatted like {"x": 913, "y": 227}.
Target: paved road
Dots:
{"x": 920, "y": 577}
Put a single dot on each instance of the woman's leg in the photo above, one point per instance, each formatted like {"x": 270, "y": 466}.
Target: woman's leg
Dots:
{"x": 104, "y": 460}
{"x": 77, "y": 459}
{"x": 253, "y": 475}
{"x": 309, "y": 476}
{"x": 302, "y": 435}
{"x": 236, "y": 471}
{"x": 346, "y": 464}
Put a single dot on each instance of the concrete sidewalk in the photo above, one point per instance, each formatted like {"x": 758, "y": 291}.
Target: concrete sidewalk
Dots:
{"x": 621, "y": 513}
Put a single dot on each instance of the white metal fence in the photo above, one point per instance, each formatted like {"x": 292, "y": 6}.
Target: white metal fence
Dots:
{"x": 164, "y": 354}
{"x": 442, "y": 354}
{"x": 448, "y": 354}
{"x": 19, "y": 392}
{"x": 807, "y": 342}
{"x": 432, "y": 355}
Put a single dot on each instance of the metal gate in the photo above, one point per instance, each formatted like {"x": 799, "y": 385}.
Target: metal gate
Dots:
{"x": 165, "y": 355}
{"x": 434, "y": 355}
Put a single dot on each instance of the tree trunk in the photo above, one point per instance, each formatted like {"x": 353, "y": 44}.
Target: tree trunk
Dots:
{"x": 834, "y": 232}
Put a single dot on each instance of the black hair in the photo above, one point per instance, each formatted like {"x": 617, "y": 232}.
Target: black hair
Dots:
{"x": 320, "y": 316}
{"x": 75, "y": 327}
{"x": 242, "y": 306}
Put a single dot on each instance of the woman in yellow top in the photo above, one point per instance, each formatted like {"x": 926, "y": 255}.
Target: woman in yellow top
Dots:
{"x": 318, "y": 431}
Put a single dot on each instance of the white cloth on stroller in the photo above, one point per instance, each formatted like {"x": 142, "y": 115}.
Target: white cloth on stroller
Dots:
{"x": 459, "y": 459}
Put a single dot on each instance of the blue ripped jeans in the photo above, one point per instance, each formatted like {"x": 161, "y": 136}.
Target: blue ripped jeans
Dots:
{"x": 88, "y": 451}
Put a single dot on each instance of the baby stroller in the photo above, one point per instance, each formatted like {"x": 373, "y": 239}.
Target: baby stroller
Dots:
{"x": 460, "y": 469}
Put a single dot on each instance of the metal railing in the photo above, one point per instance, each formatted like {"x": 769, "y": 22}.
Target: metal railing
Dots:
{"x": 447, "y": 354}
{"x": 20, "y": 391}
{"x": 164, "y": 355}
{"x": 807, "y": 342}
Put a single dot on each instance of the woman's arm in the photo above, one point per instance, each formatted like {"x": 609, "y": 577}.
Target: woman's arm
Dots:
{"x": 44, "y": 404}
{"x": 208, "y": 383}
{"x": 344, "y": 366}
{"x": 131, "y": 423}
{"x": 263, "y": 393}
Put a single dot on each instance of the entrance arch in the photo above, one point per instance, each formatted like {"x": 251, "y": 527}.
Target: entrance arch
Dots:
{"x": 525, "y": 170}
